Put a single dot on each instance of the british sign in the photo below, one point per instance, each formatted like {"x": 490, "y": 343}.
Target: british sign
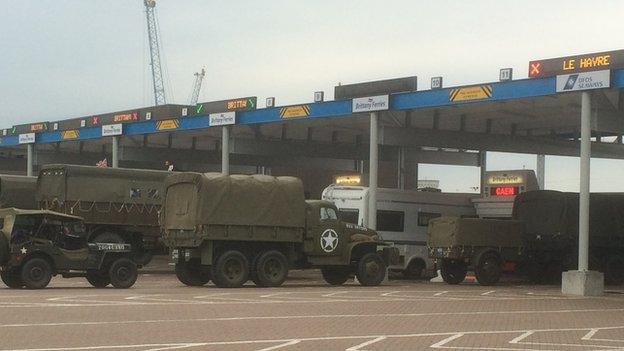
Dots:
{"x": 371, "y": 103}
{"x": 584, "y": 81}
{"x": 222, "y": 119}
{"x": 112, "y": 129}
{"x": 26, "y": 138}
{"x": 577, "y": 63}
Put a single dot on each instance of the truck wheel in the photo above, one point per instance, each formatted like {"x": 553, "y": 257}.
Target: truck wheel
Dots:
{"x": 271, "y": 269}
{"x": 98, "y": 279}
{"x": 192, "y": 273}
{"x": 414, "y": 270}
{"x": 36, "y": 273}
{"x": 371, "y": 269}
{"x": 143, "y": 258}
{"x": 231, "y": 270}
{"x": 488, "y": 270}
{"x": 614, "y": 271}
{"x": 12, "y": 279}
{"x": 453, "y": 272}
{"x": 123, "y": 273}
{"x": 336, "y": 275}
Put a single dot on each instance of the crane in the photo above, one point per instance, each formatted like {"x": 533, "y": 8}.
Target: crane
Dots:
{"x": 199, "y": 78}
{"x": 154, "y": 46}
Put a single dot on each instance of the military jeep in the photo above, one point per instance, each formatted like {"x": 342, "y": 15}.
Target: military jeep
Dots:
{"x": 36, "y": 245}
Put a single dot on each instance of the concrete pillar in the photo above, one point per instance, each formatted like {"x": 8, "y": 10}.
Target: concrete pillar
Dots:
{"x": 30, "y": 154}
{"x": 584, "y": 282}
{"x": 483, "y": 165}
{"x": 541, "y": 171}
{"x": 373, "y": 166}
{"x": 115, "y": 152}
{"x": 401, "y": 168}
{"x": 225, "y": 150}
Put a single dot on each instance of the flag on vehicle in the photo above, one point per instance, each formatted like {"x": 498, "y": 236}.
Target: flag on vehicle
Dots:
{"x": 103, "y": 163}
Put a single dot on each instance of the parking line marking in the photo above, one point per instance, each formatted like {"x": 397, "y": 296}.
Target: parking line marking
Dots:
{"x": 366, "y": 343}
{"x": 589, "y": 335}
{"x": 288, "y": 343}
{"x": 488, "y": 292}
{"x": 443, "y": 342}
{"x": 521, "y": 337}
{"x": 440, "y": 293}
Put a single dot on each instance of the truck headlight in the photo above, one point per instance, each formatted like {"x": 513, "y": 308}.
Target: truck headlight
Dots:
{"x": 187, "y": 255}
{"x": 174, "y": 255}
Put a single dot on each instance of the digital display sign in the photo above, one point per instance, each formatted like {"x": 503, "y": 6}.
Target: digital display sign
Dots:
{"x": 239, "y": 104}
{"x": 504, "y": 191}
{"x": 577, "y": 63}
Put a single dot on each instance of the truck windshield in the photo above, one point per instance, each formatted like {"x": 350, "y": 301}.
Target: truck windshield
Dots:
{"x": 328, "y": 213}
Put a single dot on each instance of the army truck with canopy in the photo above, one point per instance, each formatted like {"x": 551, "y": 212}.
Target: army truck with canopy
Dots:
{"x": 541, "y": 240}
{"x": 38, "y": 244}
{"x": 18, "y": 191}
{"x": 118, "y": 205}
{"x": 234, "y": 228}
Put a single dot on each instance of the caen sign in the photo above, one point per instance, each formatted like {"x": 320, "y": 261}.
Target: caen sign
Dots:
{"x": 574, "y": 64}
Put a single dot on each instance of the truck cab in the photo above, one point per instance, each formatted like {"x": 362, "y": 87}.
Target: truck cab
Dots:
{"x": 35, "y": 245}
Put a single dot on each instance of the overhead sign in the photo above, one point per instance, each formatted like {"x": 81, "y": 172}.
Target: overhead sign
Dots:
{"x": 295, "y": 111}
{"x": 166, "y": 124}
{"x": 222, "y": 119}
{"x": 239, "y": 104}
{"x": 471, "y": 93}
{"x": 348, "y": 180}
{"x": 70, "y": 134}
{"x": 27, "y": 138}
{"x": 112, "y": 129}
{"x": 371, "y": 103}
{"x": 126, "y": 117}
{"x": 380, "y": 87}
{"x": 505, "y": 178}
{"x": 584, "y": 81}
{"x": 577, "y": 63}
{"x": 38, "y": 127}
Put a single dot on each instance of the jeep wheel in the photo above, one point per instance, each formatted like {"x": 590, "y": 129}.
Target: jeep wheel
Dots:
{"x": 36, "y": 273}
{"x": 336, "y": 275}
{"x": 98, "y": 279}
{"x": 614, "y": 271}
{"x": 123, "y": 273}
{"x": 488, "y": 270}
{"x": 453, "y": 272}
{"x": 371, "y": 269}
{"x": 271, "y": 269}
{"x": 231, "y": 270}
{"x": 414, "y": 270}
{"x": 192, "y": 273}
{"x": 11, "y": 278}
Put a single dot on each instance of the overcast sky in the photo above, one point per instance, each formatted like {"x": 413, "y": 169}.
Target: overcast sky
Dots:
{"x": 67, "y": 58}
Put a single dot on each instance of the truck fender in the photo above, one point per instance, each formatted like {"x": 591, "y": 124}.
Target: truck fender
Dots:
{"x": 355, "y": 250}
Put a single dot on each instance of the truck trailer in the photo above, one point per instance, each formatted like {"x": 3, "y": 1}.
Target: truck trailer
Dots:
{"x": 18, "y": 191}
{"x": 239, "y": 227}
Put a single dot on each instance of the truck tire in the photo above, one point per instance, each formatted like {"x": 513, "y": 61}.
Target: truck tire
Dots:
{"x": 192, "y": 273}
{"x": 489, "y": 269}
{"x": 123, "y": 273}
{"x": 36, "y": 273}
{"x": 371, "y": 269}
{"x": 12, "y": 279}
{"x": 414, "y": 269}
{"x": 614, "y": 271}
{"x": 453, "y": 272}
{"x": 231, "y": 270}
{"x": 336, "y": 275}
{"x": 271, "y": 269}
{"x": 98, "y": 279}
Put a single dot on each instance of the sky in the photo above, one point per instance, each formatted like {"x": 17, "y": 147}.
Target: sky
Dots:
{"x": 68, "y": 58}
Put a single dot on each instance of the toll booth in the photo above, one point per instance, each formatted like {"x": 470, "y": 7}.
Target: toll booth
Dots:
{"x": 499, "y": 191}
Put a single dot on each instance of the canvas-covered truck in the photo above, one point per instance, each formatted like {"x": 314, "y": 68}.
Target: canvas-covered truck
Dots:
{"x": 18, "y": 191}
{"x": 118, "y": 205}
{"x": 36, "y": 245}
{"x": 234, "y": 228}
{"x": 541, "y": 240}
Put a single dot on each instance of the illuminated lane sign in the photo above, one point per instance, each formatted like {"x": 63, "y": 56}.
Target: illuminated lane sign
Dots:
{"x": 574, "y": 64}
{"x": 240, "y": 104}
{"x": 504, "y": 191}
{"x": 126, "y": 117}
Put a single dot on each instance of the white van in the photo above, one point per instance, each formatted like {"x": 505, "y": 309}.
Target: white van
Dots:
{"x": 402, "y": 218}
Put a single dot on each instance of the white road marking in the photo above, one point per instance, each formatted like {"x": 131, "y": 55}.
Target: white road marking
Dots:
{"x": 334, "y": 293}
{"x": 521, "y": 337}
{"x": 443, "y": 342}
{"x": 288, "y": 343}
{"x": 589, "y": 335}
{"x": 390, "y": 293}
{"x": 366, "y": 343}
{"x": 440, "y": 293}
{"x": 153, "y": 347}
{"x": 488, "y": 292}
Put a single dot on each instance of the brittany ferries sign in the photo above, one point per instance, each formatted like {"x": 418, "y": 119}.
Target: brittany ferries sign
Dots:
{"x": 371, "y": 103}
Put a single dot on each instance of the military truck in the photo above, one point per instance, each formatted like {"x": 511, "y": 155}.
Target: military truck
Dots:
{"x": 234, "y": 228}
{"x": 541, "y": 240}
{"x": 118, "y": 205}
{"x": 18, "y": 191}
{"x": 38, "y": 244}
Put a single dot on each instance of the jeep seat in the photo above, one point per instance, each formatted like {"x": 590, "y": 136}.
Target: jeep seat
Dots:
{"x": 76, "y": 255}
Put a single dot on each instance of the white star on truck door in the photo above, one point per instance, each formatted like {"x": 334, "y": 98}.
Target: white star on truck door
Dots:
{"x": 329, "y": 240}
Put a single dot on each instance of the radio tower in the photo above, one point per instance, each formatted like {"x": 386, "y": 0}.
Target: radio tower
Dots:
{"x": 152, "y": 33}
{"x": 199, "y": 77}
